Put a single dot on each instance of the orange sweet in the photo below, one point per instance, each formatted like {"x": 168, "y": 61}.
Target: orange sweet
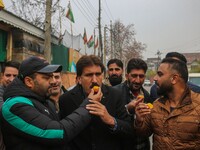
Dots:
{"x": 140, "y": 96}
{"x": 150, "y": 105}
{"x": 96, "y": 89}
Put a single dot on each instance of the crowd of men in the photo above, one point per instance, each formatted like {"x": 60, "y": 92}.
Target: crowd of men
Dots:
{"x": 38, "y": 113}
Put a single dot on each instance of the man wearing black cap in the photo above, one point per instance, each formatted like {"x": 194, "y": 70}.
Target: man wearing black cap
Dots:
{"x": 29, "y": 120}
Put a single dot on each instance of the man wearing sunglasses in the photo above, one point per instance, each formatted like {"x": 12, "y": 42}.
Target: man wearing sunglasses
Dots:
{"x": 131, "y": 89}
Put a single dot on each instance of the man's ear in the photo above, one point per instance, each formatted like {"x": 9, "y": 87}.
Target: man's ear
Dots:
{"x": 79, "y": 80}
{"x": 28, "y": 81}
{"x": 174, "y": 79}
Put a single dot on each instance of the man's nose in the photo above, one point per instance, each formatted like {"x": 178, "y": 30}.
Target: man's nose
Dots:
{"x": 94, "y": 78}
{"x": 155, "y": 78}
{"x": 137, "y": 79}
{"x": 52, "y": 80}
{"x": 11, "y": 78}
{"x": 114, "y": 71}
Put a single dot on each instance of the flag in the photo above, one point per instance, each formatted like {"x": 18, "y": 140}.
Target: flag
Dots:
{"x": 85, "y": 36}
{"x": 90, "y": 43}
{"x": 70, "y": 15}
{"x": 96, "y": 44}
{"x": 1, "y": 5}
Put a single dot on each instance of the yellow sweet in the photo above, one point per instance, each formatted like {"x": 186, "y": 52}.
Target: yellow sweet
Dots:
{"x": 140, "y": 96}
{"x": 150, "y": 105}
{"x": 96, "y": 89}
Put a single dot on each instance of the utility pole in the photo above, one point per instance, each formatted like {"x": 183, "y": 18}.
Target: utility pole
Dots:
{"x": 105, "y": 47}
{"x": 60, "y": 20}
{"x": 100, "y": 35}
{"x": 111, "y": 39}
{"x": 47, "y": 40}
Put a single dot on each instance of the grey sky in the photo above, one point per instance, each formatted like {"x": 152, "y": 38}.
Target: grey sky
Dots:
{"x": 165, "y": 25}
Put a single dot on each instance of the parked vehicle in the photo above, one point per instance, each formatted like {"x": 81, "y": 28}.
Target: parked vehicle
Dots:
{"x": 147, "y": 83}
{"x": 194, "y": 78}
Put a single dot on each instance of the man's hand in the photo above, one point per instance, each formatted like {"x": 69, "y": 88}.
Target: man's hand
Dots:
{"x": 141, "y": 111}
{"x": 95, "y": 96}
{"x": 98, "y": 109}
{"x": 132, "y": 105}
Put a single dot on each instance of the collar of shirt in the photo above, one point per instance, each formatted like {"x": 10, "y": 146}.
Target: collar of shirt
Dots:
{"x": 134, "y": 95}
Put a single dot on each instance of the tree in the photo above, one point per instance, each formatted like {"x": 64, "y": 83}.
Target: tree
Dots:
{"x": 124, "y": 42}
{"x": 34, "y": 12}
{"x": 150, "y": 74}
{"x": 195, "y": 68}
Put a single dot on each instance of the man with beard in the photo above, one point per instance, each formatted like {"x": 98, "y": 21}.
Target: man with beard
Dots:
{"x": 115, "y": 72}
{"x": 29, "y": 120}
{"x": 57, "y": 89}
{"x": 110, "y": 119}
{"x": 175, "y": 55}
{"x": 131, "y": 89}
{"x": 174, "y": 118}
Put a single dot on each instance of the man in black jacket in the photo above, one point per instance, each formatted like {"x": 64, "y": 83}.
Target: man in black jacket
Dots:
{"x": 131, "y": 89}
{"x": 108, "y": 124}
{"x": 29, "y": 120}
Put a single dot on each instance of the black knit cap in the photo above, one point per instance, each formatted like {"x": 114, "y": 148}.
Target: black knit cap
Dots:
{"x": 35, "y": 64}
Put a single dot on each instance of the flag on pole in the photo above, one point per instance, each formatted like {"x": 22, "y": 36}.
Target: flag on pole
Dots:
{"x": 90, "y": 43}
{"x": 85, "y": 36}
{"x": 1, "y": 5}
{"x": 69, "y": 14}
{"x": 96, "y": 44}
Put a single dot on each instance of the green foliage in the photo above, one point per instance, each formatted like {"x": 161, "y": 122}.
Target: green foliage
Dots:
{"x": 196, "y": 68}
{"x": 150, "y": 74}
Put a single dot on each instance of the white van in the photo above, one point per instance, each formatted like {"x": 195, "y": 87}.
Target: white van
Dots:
{"x": 194, "y": 78}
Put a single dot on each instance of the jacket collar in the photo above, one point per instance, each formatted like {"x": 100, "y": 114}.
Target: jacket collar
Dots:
{"x": 184, "y": 105}
{"x": 184, "y": 100}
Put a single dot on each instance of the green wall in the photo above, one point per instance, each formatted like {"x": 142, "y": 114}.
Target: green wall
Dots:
{"x": 3, "y": 43}
{"x": 60, "y": 56}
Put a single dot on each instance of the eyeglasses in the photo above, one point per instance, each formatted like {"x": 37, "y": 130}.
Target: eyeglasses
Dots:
{"x": 141, "y": 76}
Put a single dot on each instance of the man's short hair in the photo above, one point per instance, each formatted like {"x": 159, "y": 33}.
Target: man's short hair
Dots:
{"x": 179, "y": 66}
{"x": 136, "y": 63}
{"x": 176, "y": 55}
{"x": 13, "y": 64}
{"x": 115, "y": 61}
{"x": 86, "y": 61}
